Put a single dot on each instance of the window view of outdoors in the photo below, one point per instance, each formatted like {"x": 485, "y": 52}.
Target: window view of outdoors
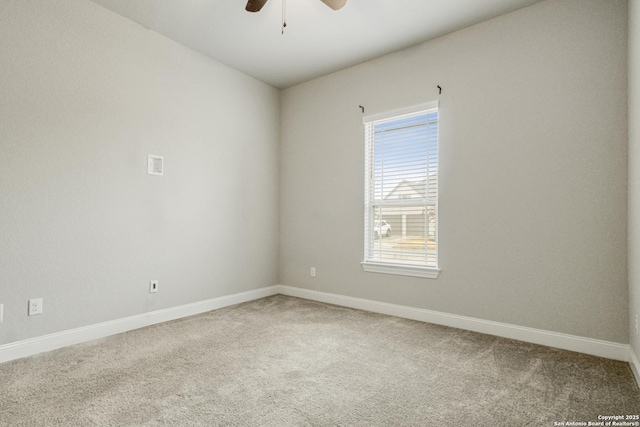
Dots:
{"x": 403, "y": 191}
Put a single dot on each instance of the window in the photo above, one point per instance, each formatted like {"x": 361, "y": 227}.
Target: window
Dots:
{"x": 401, "y": 192}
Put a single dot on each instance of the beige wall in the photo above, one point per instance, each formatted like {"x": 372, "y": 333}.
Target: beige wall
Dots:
{"x": 634, "y": 169}
{"x": 533, "y": 152}
{"x": 85, "y": 96}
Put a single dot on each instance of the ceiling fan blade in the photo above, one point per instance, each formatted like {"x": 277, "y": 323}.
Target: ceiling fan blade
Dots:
{"x": 335, "y": 4}
{"x": 255, "y": 5}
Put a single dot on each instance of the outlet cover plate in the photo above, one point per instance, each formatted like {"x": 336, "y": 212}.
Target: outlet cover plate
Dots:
{"x": 155, "y": 165}
{"x": 153, "y": 286}
{"x": 35, "y": 306}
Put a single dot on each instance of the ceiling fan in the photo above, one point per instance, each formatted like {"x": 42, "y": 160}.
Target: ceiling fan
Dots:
{"x": 256, "y": 5}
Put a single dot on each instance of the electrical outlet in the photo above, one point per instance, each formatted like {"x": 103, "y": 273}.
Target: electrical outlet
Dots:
{"x": 1, "y": 313}
{"x": 153, "y": 286}
{"x": 636, "y": 324}
{"x": 35, "y": 306}
{"x": 313, "y": 272}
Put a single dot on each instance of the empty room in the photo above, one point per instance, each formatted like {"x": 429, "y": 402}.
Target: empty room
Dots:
{"x": 319, "y": 213}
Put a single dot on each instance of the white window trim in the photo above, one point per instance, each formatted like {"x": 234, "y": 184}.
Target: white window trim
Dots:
{"x": 427, "y": 107}
{"x": 398, "y": 268}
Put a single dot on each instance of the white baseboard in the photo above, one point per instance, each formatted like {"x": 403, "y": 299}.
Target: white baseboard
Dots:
{"x": 57, "y": 340}
{"x": 635, "y": 364}
{"x": 609, "y": 350}
{"x": 29, "y": 347}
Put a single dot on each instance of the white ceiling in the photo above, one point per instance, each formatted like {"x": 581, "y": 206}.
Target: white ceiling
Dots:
{"x": 316, "y": 41}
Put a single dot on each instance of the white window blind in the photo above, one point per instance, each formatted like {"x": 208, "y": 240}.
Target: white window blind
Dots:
{"x": 401, "y": 191}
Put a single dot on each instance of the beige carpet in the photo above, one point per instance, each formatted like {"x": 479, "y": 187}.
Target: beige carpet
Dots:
{"x": 283, "y": 361}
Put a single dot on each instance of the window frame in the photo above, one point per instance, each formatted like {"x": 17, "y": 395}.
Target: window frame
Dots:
{"x": 387, "y": 267}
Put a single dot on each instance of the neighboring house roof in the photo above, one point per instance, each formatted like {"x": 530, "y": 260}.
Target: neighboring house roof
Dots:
{"x": 408, "y": 190}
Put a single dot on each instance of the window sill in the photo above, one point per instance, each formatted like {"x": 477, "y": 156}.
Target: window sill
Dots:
{"x": 399, "y": 269}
